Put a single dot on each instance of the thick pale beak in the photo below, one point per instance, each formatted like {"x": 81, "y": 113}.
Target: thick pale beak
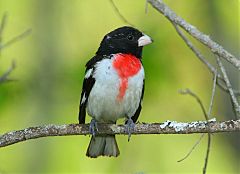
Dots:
{"x": 144, "y": 40}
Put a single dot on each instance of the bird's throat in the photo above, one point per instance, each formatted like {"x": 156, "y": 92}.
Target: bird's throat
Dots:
{"x": 126, "y": 66}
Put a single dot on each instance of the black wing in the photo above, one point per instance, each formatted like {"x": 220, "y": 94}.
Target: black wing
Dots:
{"x": 87, "y": 87}
{"x": 137, "y": 113}
{"x": 88, "y": 83}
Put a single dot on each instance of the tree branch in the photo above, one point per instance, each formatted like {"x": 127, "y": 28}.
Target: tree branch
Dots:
{"x": 187, "y": 91}
{"x": 168, "y": 127}
{"x": 15, "y": 39}
{"x": 120, "y": 14}
{"x": 236, "y": 106}
{"x": 2, "y": 26}
{"x": 204, "y": 60}
{"x": 4, "y": 77}
{"x": 193, "y": 31}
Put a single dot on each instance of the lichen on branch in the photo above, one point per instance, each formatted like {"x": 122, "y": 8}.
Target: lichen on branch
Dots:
{"x": 168, "y": 127}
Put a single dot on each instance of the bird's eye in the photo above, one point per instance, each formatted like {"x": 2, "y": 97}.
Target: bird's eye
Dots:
{"x": 130, "y": 37}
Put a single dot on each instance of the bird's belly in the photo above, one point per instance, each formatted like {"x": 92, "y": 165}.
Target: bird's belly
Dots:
{"x": 104, "y": 104}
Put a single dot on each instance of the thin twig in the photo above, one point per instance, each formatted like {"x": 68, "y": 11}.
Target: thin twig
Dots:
{"x": 168, "y": 127}
{"x": 193, "y": 31}
{"x": 16, "y": 39}
{"x": 3, "y": 23}
{"x": 207, "y": 154}
{"x": 209, "y": 115}
{"x": 203, "y": 59}
{"x": 213, "y": 94}
{"x": 195, "y": 50}
{"x": 224, "y": 88}
{"x": 236, "y": 106}
{"x": 2, "y": 26}
{"x": 146, "y": 7}
{"x": 19, "y": 37}
{"x": 201, "y": 137}
{"x": 188, "y": 91}
{"x": 4, "y": 77}
{"x": 120, "y": 14}
{"x": 191, "y": 150}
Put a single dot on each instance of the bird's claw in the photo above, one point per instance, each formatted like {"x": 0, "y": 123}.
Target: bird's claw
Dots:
{"x": 129, "y": 127}
{"x": 92, "y": 127}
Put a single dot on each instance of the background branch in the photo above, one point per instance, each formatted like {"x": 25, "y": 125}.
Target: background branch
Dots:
{"x": 4, "y": 76}
{"x": 234, "y": 100}
{"x": 120, "y": 14}
{"x": 222, "y": 79}
{"x": 204, "y": 60}
{"x": 189, "y": 92}
{"x": 15, "y": 39}
{"x": 2, "y": 26}
{"x": 168, "y": 127}
{"x": 193, "y": 31}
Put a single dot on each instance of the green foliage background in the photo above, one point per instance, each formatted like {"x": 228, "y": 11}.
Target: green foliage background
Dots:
{"x": 50, "y": 70}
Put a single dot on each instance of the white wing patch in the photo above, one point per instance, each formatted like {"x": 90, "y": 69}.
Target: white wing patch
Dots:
{"x": 83, "y": 99}
{"x": 88, "y": 73}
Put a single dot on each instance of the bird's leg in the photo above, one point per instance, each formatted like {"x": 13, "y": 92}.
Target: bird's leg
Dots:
{"x": 129, "y": 127}
{"x": 92, "y": 127}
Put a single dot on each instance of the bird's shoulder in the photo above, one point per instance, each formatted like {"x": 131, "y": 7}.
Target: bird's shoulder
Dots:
{"x": 94, "y": 60}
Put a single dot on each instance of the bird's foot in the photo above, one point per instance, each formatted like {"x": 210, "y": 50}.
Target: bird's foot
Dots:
{"x": 129, "y": 127}
{"x": 93, "y": 127}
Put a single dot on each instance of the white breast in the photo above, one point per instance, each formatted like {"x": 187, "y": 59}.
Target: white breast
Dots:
{"x": 103, "y": 104}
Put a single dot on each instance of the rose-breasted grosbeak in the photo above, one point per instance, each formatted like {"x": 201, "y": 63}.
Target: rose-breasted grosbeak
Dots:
{"x": 113, "y": 86}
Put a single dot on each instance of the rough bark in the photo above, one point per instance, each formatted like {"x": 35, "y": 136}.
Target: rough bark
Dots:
{"x": 168, "y": 127}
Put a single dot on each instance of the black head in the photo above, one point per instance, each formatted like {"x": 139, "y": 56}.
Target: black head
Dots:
{"x": 124, "y": 40}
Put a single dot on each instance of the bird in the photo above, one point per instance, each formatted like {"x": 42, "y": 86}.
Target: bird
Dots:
{"x": 113, "y": 87}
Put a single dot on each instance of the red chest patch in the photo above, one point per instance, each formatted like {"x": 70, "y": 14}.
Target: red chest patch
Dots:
{"x": 126, "y": 66}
